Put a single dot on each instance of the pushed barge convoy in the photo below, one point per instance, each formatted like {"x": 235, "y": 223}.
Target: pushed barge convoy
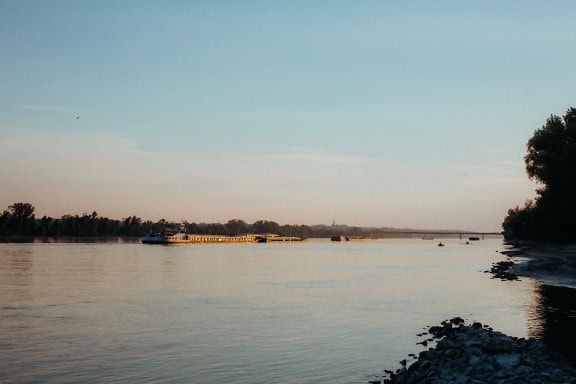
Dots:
{"x": 175, "y": 236}
{"x": 172, "y": 235}
{"x": 269, "y": 238}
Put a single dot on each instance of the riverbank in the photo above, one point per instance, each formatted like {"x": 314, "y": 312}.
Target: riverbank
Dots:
{"x": 550, "y": 264}
{"x": 477, "y": 354}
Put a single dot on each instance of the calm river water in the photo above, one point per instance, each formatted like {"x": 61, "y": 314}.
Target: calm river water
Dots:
{"x": 309, "y": 312}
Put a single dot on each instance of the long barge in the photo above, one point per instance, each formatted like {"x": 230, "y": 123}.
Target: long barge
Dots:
{"x": 351, "y": 238}
{"x": 175, "y": 236}
{"x": 191, "y": 239}
{"x": 274, "y": 239}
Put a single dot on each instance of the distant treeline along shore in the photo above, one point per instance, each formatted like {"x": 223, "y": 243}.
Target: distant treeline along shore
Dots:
{"x": 19, "y": 221}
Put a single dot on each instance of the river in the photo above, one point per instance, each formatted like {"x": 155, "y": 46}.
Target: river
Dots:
{"x": 310, "y": 312}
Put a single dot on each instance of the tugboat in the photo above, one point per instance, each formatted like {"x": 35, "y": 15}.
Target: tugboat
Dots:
{"x": 170, "y": 235}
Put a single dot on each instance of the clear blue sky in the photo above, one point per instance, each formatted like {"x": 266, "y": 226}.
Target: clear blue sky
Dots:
{"x": 371, "y": 113}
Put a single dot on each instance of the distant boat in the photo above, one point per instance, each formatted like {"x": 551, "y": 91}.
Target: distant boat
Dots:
{"x": 473, "y": 238}
{"x": 440, "y": 244}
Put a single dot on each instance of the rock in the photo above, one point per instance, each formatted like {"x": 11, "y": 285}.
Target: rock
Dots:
{"x": 501, "y": 270}
{"x": 435, "y": 330}
{"x": 430, "y": 355}
{"x": 477, "y": 354}
{"x": 457, "y": 320}
{"x": 498, "y": 346}
{"x": 508, "y": 360}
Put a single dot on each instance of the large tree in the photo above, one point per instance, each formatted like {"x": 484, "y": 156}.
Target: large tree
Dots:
{"x": 21, "y": 219}
{"x": 551, "y": 161}
{"x": 551, "y": 157}
{"x": 265, "y": 226}
{"x": 236, "y": 227}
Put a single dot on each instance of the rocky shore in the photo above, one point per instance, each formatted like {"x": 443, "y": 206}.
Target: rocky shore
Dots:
{"x": 474, "y": 353}
{"x": 477, "y": 354}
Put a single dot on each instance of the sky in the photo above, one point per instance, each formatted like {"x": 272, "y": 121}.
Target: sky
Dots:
{"x": 411, "y": 114}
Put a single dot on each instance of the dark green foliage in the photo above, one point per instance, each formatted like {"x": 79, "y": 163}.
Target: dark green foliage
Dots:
{"x": 236, "y": 227}
{"x": 19, "y": 219}
{"x": 551, "y": 161}
{"x": 264, "y": 226}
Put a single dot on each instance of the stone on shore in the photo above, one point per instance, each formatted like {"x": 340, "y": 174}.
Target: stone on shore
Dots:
{"x": 477, "y": 354}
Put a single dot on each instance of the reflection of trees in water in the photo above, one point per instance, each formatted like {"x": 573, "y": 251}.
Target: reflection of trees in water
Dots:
{"x": 554, "y": 319}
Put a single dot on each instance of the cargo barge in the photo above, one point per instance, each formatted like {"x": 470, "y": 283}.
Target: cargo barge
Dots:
{"x": 175, "y": 236}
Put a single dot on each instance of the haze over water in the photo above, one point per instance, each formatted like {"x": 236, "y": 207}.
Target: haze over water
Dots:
{"x": 253, "y": 313}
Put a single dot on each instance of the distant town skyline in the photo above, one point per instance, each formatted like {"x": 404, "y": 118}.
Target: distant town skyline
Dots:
{"x": 373, "y": 114}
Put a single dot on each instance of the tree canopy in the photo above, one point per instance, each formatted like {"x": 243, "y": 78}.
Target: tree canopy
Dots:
{"x": 18, "y": 223}
{"x": 551, "y": 161}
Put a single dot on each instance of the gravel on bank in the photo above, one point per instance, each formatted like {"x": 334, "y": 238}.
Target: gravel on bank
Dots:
{"x": 550, "y": 264}
{"x": 477, "y": 354}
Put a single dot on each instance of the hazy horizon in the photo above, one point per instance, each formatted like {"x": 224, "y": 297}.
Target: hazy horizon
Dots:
{"x": 373, "y": 114}
{"x": 39, "y": 215}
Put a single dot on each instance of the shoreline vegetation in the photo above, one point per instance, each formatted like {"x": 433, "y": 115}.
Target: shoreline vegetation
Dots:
{"x": 19, "y": 224}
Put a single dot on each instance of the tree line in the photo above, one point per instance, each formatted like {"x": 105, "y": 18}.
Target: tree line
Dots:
{"x": 551, "y": 161}
{"x": 19, "y": 220}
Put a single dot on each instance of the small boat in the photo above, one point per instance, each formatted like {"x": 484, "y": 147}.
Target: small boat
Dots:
{"x": 440, "y": 244}
{"x": 473, "y": 238}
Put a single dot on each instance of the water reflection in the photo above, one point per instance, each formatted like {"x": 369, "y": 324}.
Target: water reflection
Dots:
{"x": 554, "y": 319}
{"x": 75, "y": 240}
{"x": 248, "y": 314}
{"x": 15, "y": 272}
